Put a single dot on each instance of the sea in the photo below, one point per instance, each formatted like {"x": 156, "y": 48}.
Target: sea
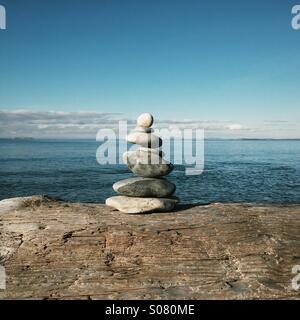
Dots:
{"x": 243, "y": 171}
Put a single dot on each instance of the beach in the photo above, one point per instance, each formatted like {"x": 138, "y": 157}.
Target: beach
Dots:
{"x": 58, "y": 250}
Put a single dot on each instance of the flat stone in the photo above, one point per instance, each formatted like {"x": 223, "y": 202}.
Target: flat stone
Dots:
{"x": 147, "y": 164}
{"x": 144, "y": 139}
{"x": 156, "y": 151}
{"x": 143, "y": 129}
{"x": 145, "y": 187}
{"x": 20, "y": 203}
{"x": 141, "y": 205}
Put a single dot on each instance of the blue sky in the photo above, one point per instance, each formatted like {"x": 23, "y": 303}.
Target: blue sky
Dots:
{"x": 233, "y": 64}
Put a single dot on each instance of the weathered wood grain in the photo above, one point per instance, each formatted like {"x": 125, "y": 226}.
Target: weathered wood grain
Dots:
{"x": 57, "y": 250}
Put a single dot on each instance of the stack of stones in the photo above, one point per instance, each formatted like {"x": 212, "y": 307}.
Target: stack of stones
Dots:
{"x": 149, "y": 191}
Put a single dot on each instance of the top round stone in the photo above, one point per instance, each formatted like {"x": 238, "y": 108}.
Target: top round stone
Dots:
{"x": 145, "y": 120}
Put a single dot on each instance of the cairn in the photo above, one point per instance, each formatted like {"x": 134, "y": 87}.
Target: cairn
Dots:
{"x": 149, "y": 191}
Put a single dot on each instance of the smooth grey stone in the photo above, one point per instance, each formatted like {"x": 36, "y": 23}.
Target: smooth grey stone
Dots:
{"x": 148, "y": 140}
{"x": 141, "y": 205}
{"x": 152, "y": 150}
{"x": 147, "y": 164}
{"x": 145, "y": 187}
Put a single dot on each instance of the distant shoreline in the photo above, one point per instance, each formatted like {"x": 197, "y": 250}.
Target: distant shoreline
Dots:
{"x": 90, "y": 139}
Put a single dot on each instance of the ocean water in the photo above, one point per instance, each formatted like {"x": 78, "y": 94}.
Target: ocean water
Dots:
{"x": 258, "y": 171}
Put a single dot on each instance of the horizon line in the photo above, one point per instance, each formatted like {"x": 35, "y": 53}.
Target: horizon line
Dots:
{"x": 90, "y": 139}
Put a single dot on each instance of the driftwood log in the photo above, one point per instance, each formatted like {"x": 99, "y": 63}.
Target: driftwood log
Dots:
{"x": 56, "y": 250}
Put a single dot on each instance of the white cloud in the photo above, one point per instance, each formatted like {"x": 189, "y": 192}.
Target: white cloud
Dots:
{"x": 39, "y": 124}
{"x": 235, "y": 126}
{"x": 85, "y": 124}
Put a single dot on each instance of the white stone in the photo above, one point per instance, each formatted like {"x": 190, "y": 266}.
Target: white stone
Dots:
{"x": 145, "y": 120}
{"x": 144, "y": 139}
{"x": 13, "y": 204}
{"x": 141, "y": 205}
